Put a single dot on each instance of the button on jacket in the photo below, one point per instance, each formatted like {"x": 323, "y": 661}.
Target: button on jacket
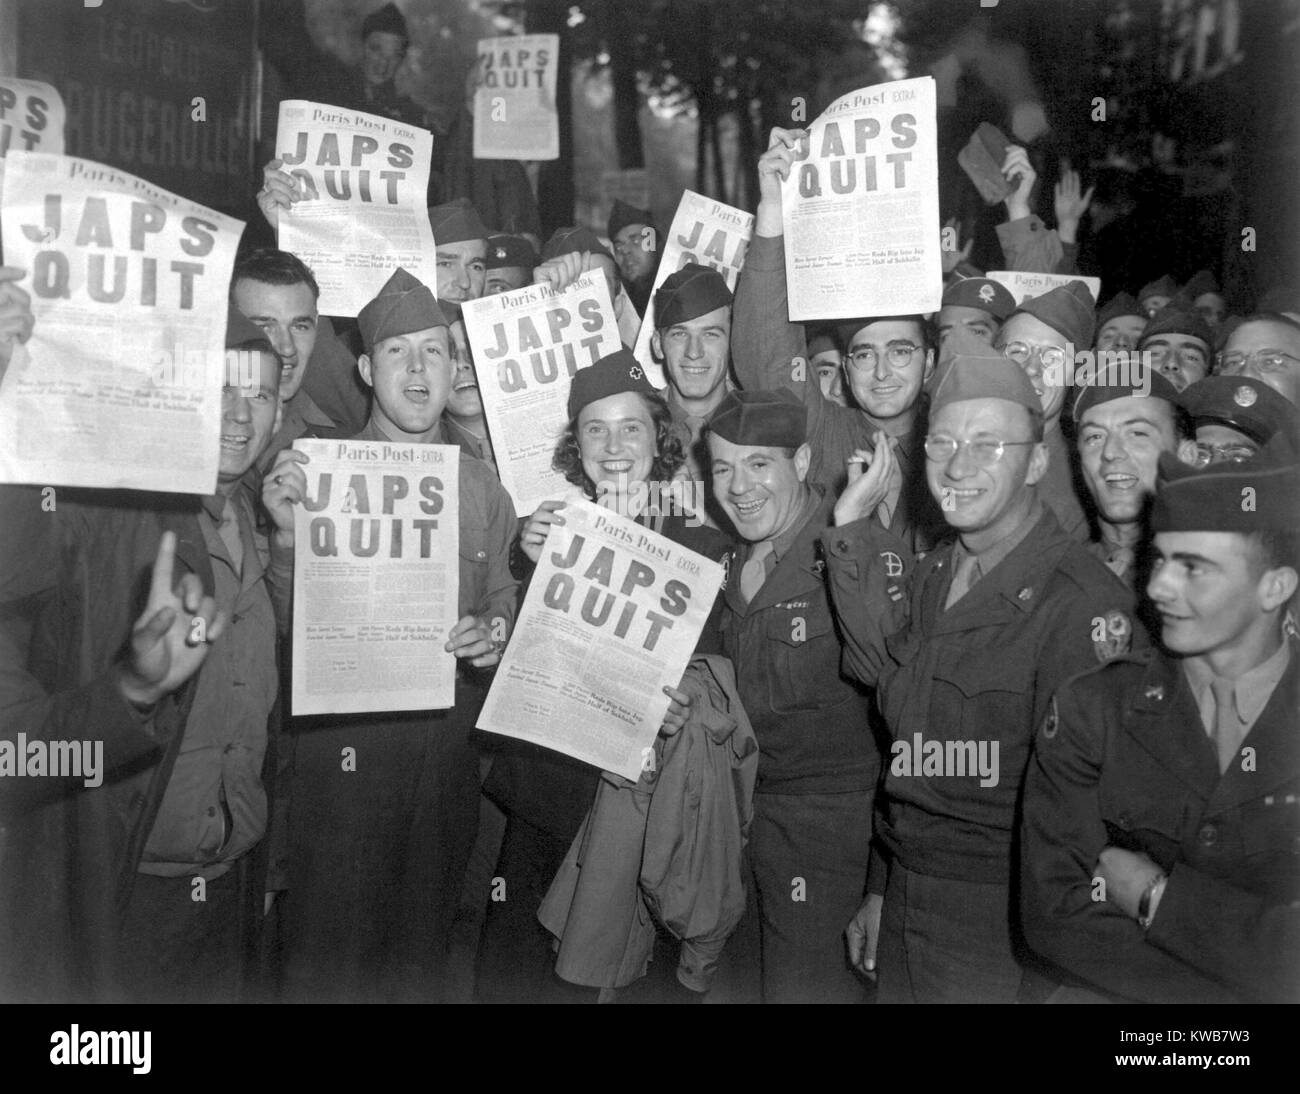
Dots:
{"x": 1123, "y": 759}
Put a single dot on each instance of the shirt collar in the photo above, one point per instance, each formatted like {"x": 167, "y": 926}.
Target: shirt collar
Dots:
{"x": 1251, "y": 691}
{"x": 991, "y": 556}
{"x": 303, "y": 408}
{"x": 372, "y": 432}
{"x": 786, "y": 539}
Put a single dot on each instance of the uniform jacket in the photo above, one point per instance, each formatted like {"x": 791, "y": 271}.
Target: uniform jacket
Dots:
{"x": 765, "y": 346}
{"x": 982, "y": 671}
{"x": 813, "y": 724}
{"x": 73, "y": 583}
{"x": 666, "y": 849}
{"x": 1123, "y": 759}
{"x": 1029, "y": 245}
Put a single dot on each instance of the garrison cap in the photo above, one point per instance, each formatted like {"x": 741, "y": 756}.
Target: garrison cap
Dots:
{"x": 405, "y": 304}
{"x": 573, "y": 240}
{"x": 387, "y": 20}
{"x": 506, "y": 251}
{"x": 822, "y": 339}
{"x": 692, "y": 291}
{"x": 1172, "y": 320}
{"x": 243, "y": 333}
{"x": 1161, "y": 286}
{"x": 456, "y": 222}
{"x": 1067, "y": 309}
{"x": 986, "y": 376}
{"x": 1121, "y": 382}
{"x": 848, "y": 328}
{"x": 983, "y": 293}
{"x": 766, "y": 419}
{"x": 1120, "y": 304}
{"x": 1246, "y": 405}
{"x": 1257, "y": 495}
{"x": 613, "y": 374}
{"x": 1202, "y": 281}
{"x": 624, "y": 215}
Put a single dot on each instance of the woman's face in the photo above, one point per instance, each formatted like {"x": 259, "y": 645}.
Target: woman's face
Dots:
{"x": 616, "y": 438}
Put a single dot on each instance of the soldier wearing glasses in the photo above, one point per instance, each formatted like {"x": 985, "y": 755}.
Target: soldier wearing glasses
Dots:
{"x": 1235, "y": 417}
{"x": 887, "y": 362}
{"x": 964, "y": 649}
{"x": 1042, "y": 337}
{"x": 1265, "y": 347}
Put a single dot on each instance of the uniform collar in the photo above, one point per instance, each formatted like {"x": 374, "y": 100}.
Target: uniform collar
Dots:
{"x": 372, "y": 432}
{"x": 1251, "y": 690}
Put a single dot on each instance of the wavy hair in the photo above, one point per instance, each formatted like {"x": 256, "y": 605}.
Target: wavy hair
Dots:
{"x": 568, "y": 453}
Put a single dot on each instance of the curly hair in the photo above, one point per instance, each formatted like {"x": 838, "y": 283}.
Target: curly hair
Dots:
{"x": 568, "y": 453}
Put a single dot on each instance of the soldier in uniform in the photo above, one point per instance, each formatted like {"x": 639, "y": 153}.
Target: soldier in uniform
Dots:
{"x": 818, "y": 761}
{"x": 1123, "y": 421}
{"x": 1042, "y": 336}
{"x": 1266, "y": 347}
{"x": 1162, "y": 809}
{"x": 1236, "y": 417}
{"x": 1178, "y": 343}
{"x": 510, "y": 264}
{"x": 1120, "y": 323}
{"x": 462, "y": 242}
{"x": 965, "y": 650}
{"x": 384, "y": 41}
{"x": 979, "y": 304}
{"x": 1156, "y": 294}
{"x": 632, "y": 234}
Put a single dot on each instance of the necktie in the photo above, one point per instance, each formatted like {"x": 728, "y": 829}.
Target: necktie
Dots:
{"x": 754, "y": 572}
{"x": 889, "y": 506}
{"x": 1227, "y": 727}
{"x": 968, "y": 572}
{"x": 229, "y": 531}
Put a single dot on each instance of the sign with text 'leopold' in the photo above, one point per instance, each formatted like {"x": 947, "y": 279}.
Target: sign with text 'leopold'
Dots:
{"x": 527, "y": 346}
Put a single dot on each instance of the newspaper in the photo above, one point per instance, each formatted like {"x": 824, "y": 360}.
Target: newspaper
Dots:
{"x": 366, "y": 184}
{"x": 376, "y": 577}
{"x": 31, "y": 119}
{"x": 612, "y": 616}
{"x": 1025, "y": 286}
{"x": 515, "y": 117}
{"x": 861, "y": 207}
{"x": 120, "y": 383}
{"x": 527, "y": 345}
{"x": 703, "y": 231}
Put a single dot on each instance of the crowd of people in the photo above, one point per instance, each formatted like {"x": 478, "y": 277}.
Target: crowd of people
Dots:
{"x": 1005, "y": 651}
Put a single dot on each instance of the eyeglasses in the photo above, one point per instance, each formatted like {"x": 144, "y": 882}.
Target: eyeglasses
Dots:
{"x": 898, "y": 354}
{"x": 1268, "y": 360}
{"x": 1183, "y": 355}
{"x": 984, "y": 450}
{"x": 1021, "y": 352}
{"x": 1207, "y": 454}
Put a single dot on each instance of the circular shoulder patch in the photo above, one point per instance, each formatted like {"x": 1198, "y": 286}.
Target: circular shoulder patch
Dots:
{"x": 1114, "y": 638}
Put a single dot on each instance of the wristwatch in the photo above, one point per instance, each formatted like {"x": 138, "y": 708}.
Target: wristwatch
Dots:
{"x": 1150, "y": 900}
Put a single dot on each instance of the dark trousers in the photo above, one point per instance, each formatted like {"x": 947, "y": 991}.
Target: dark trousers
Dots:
{"x": 175, "y": 949}
{"x": 807, "y": 874}
{"x": 378, "y": 854}
{"x": 945, "y": 941}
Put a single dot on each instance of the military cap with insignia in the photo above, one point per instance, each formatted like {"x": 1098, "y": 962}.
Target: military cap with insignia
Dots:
{"x": 982, "y": 293}
{"x": 456, "y": 222}
{"x": 624, "y": 215}
{"x": 1164, "y": 285}
{"x": 243, "y": 333}
{"x": 1118, "y": 305}
{"x": 1246, "y": 405}
{"x": 1067, "y": 309}
{"x": 983, "y": 377}
{"x": 386, "y": 20}
{"x": 1121, "y": 382}
{"x": 764, "y": 419}
{"x": 1258, "y": 495}
{"x": 692, "y": 291}
{"x": 404, "y": 305}
{"x": 507, "y": 251}
{"x": 613, "y": 374}
{"x": 1172, "y": 320}
{"x": 573, "y": 240}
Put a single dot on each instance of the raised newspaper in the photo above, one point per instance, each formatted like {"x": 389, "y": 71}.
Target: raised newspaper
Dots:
{"x": 703, "y": 231}
{"x": 376, "y": 577}
{"x": 365, "y": 182}
{"x": 861, "y": 207}
{"x": 120, "y": 383}
{"x": 515, "y": 116}
{"x": 527, "y": 345}
{"x": 612, "y": 616}
{"x": 31, "y": 118}
{"x": 1024, "y": 285}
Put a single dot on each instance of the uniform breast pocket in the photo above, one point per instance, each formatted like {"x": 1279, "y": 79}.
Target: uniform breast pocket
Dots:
{"x": 987, "y": 696}
{"x": 1271, "y": 825}
{"x": 804, "y": 658}
{"x": 473, "y": 565}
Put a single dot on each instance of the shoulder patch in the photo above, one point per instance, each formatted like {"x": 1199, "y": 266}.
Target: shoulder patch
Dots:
{"x": 1112, "y": 635}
